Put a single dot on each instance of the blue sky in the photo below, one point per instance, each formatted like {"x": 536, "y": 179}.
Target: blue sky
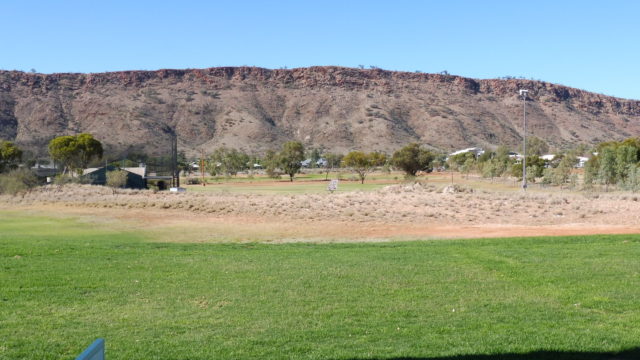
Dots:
{"x": 593, "y": 45}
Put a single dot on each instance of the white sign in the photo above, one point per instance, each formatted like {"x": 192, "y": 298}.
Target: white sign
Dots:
{"x": 333, "y": 185}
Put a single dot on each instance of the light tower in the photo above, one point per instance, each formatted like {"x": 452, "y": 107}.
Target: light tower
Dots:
{"x": 524, "y": 93}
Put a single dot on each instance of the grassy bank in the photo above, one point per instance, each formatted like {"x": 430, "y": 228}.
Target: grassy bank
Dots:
{"x": 64, "y": 283}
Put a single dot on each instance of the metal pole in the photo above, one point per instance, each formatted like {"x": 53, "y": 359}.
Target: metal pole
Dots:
{"x": 524, "y": 140}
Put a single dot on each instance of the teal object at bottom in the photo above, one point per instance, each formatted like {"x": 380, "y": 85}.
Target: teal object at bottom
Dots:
{"x": 94, "y": 352}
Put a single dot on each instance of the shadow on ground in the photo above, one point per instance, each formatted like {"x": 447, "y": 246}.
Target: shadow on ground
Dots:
{"x": 632, "y": 354}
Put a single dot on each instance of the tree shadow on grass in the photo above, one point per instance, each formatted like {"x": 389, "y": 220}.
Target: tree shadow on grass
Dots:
{"x": 631, "y": 354}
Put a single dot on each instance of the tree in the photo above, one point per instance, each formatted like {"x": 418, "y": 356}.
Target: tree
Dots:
{"x": 467, "y": 167}
{"x": 536, "y": 147}
{"x": 116, "y": 179}
{"x": 227, "y": 161}
{"x": 290, "y": 157}
{"x": 457, "y": 162}
{"x": 10, "y": 156}
{"x": 496, "y": 163}
{"x": 632, "y": 181}
{"x": 591, "y": 168}
{"x": 75, "y": 152}
{"x": 363, "y": 163}
{"x": 607, "y": 169}
{"x": 314, "y": 155}
{"x": 535, "y": 167}
{"x": 88, "y": 149}
{"x": 626, "y": 155}
{"x": 332, "y": 161}
{"x": 412, "y": 159}
{"x": 270, "y": 162}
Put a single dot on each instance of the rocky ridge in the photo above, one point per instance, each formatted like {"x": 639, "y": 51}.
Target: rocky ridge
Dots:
{"x": 330, "y": 107}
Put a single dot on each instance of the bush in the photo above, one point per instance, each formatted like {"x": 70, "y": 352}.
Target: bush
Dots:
{"x": 193, "y": 181}
{"x": 66, "y": 179}
{"x": 116, "y": 179}
{"x": 412, "y": 159}
{"x": 16, "y": 181}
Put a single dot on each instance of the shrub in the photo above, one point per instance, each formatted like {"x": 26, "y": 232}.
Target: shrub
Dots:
{"x": 63, "y": 179}
{"x": 17, "y": 181}
{"x": 193, "y": 181}
{"x": 116, "y": 179}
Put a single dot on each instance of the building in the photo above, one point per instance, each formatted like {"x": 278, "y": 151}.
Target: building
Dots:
{"x": 475, "y": 150}
{"x": 136, "y": 176}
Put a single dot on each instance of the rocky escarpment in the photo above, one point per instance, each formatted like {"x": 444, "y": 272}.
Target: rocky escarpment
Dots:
{"x": 331, "y": 107}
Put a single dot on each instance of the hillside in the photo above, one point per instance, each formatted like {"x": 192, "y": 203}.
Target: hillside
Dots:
{"x": 332, "y": 107}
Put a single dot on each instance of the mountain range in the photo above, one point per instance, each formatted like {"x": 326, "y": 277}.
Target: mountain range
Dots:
{"x": 332, "y": 108}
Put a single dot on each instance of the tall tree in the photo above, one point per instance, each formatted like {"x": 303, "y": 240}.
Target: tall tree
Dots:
{"x": 412, "y": 159}
{"x": 607, "y": 170}
{"x": 536, "y": 146}
{"x": 290, "y": 157}
{"x": 363, "y": 163}
{"x": 75, "y": 152}
{"x": 270, "y": 162}
{"x": 332, "y": 161}
{"x": 10, "y": 156}
{"x": 228, "y": 162}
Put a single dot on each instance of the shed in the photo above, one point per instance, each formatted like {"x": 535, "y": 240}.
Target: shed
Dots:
{"x": 136, "y": 178}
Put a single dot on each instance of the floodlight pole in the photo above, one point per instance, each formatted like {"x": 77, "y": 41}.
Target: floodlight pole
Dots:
{"x": 523, "y": 93}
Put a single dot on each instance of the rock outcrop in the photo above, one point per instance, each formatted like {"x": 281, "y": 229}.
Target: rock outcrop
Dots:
{"x": 331, "y": 107}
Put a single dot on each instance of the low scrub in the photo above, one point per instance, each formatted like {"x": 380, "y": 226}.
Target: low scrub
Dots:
{"x": 16, "y": 181}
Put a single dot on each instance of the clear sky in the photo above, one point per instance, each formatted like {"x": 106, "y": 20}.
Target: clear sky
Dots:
{"x": 592, "y": 45}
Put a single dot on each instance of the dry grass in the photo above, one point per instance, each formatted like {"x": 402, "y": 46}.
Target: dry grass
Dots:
{"x": 403, "y": 210}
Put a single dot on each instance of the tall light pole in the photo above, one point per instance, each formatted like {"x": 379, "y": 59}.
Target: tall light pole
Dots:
{"x": 523, "y": 93}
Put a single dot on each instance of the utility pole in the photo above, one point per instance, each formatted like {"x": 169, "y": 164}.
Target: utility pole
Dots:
{"x": 175, "y": 171}
{"x": 202, "y": 167}
{"x": 523, "y": 93}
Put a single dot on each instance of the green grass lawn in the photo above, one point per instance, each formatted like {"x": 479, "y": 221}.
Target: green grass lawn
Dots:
{"x": 302, "y": 184}
{"x": 64, "y": 283}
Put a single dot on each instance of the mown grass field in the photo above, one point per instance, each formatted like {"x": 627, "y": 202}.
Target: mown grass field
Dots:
{"x": 65, "y": 282}
{"x": 310, "y": 183}
{"x": 303, "y": 184}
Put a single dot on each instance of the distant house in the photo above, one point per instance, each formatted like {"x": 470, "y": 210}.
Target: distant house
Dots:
{"x": 516, "y": 156}
{"x": 475, "y": 150}
{"x": 45, "y": 171}
{"x": 136, "y": 176}
{"x": 581, "y": 161}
